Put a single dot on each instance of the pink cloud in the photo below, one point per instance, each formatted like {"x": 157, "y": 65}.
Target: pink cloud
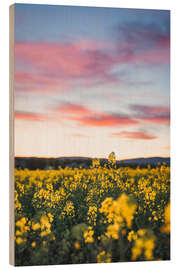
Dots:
{"x": 134, "y": 135}
{"x": 107, "y": 120}
{"x": 88, "y": 117}
{"x": 157, "y": 120}
{"x": 154, "y": 114}
{"x": 28, "y": 116}
{"x": 81, "y": 115}
{"x": 72, "y": 109}
{"x": 32, "y": 81}
{"x": 151, "y": 57}
{"x": 150, "y": 109}
{"x": 80, "y": 59}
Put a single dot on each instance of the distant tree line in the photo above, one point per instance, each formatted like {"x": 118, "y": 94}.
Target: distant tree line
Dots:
{"x": 34, "y": 163}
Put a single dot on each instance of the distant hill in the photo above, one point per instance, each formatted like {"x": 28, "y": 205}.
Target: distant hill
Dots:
{"x": 33, "y": 163}
{"x": 144, "y": 161}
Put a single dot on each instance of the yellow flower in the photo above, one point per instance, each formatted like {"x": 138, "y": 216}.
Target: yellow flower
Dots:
{"x": 148, "y": 254}
{"x": 68, "y": 210}
{"x": 18, "y": 232}
{"x": 166, "y": 227}
{"x": 77, "y": 245}
{"x": 33, "y": 244}
{"x": 142, "y": 232}
{"x": 88, "y": 235}
{"x": 92, "y": 215}
{"x": 144, "y": 244}
{"x": 119, "y": 211}
{"x": 136, "y": 251}
{"x": 21, "y": 222}
{"x": 113, "y": 231}
{"x": 96, "y": 162}
{"x": 139, "y": 243}
{"x": 19, "y": 240}
{"x": 132, "y": 236}
{"x": 44, "y": 243}
{"x": 50, "y": 216}
{"x": 104, "y": 257}
{"x": 123, "y": 231}
{"x": 149, "y": 244}
{"x": 36, "y": 226}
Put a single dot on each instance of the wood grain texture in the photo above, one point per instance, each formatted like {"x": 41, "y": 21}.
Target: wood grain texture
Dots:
{"x": 11, "y": 135}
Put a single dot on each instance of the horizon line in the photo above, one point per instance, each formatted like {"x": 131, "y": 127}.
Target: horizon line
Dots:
{"x": 46, "y": 157}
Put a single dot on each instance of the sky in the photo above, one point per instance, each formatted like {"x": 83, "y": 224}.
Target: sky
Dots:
{"x": 90, "y": 80}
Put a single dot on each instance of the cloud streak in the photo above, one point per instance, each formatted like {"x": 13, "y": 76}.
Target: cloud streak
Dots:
{"x": 87, "y": 117}
{"x": 106, "y": 120}
{"x": 81, "y": 115}
{"x": 153, "y": 114}
{"x": 142, "y": 43}
{"x": 72, "y": 109}
{"x": 134, "y": 135}
{"x": 37, "y": 82}
{"x": 29, "y": 116}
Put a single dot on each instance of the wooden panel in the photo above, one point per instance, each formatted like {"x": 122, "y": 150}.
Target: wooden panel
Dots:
{"x": 11, "y": 134}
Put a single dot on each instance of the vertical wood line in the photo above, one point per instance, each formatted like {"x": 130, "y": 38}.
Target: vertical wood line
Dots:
{"x": 11, "y": 136}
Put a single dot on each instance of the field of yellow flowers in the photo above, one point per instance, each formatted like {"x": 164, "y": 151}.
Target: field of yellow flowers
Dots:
{"x": 100, "y": 214}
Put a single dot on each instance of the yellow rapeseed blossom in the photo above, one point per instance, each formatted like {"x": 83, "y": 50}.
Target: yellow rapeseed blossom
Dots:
{"x": 50, "y": 203}
{"x": 104, "y": 257}
{"x": 45, "y": 226}
{"x": 18, "y": 232}
{"x": 36, "y": 226}
{"x": 68, "y": 210}
{"x": 50, "y": 216}
{"x": 113, "y": 231}
{"x": 132, "y": 236}
{"x": 19, "y": 240}
{"x": 92, "y": 215}
{"x": 88, "y": 235}
{"x": 22, "y": 224}
{"x": 33, "y": 244}
{"x": 96, "y": 162}
{"x": 119, "y": 211}
{"x": 166, "y": 227}
{"x": 144, "y": 244}
{"x": 77, "y": 245}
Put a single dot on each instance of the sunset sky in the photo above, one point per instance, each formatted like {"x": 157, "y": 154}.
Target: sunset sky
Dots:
{"x": 89, "y": 81}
